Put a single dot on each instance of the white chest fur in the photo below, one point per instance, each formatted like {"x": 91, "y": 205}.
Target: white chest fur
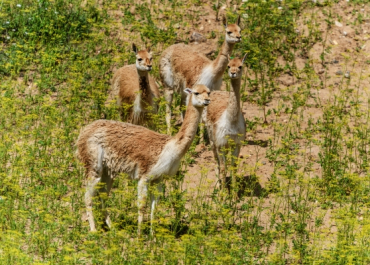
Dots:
{"x": 227, "y": 130}
{"x": 168, "y": 162}
{"x": 208, "y": 78}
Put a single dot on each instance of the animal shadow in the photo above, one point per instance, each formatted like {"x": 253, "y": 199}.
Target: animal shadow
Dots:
{"x": 262, "y": 143}
{"x": 247, "y": 186}
{"x": 179, "y": 227}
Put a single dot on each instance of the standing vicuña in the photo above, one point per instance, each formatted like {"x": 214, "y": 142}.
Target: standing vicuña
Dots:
{"x": 180, "y": 66}
{"x": 133, "y": 85}
{"x": 108, "y": 148}
{"x": 224, "y": 119}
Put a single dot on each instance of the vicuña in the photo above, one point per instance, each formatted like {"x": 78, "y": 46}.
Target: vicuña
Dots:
{"x": 108, "y": 148}
{"x": 224, "y": 120}
{"x": 132, "y": 85}
{"x": 180, "y": 66}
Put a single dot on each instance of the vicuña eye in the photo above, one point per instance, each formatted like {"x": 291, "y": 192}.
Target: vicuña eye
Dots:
{"x": 229, "y": 32}
{"x": 139, "y": 59}
{"x": 196, "y": 93}
{"x": 240, "y": 67}
{"x": 228, "y": 66}
{"x": 209, "y": 93}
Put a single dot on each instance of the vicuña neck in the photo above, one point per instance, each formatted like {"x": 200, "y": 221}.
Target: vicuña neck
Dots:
{"x": 219, "y": 65}
{"x": 233, "y": 107}
{"x": 188, "y": 128}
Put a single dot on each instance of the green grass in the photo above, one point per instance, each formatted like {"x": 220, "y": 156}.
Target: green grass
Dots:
{"x": 56, "y": 62}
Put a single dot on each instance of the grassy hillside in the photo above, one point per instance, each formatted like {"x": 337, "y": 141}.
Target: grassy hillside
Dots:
{"x": 303, "y": 170}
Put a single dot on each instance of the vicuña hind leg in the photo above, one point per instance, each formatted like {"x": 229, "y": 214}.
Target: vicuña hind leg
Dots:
{"x": 222, "y": 165}
{"x": 168, "y": 94}
{"x": 182, "y": 104}
{"x": 93, "y": 180}
{"x": 234, "y": 170}
{"x": 106, "y": 185}
{"x": 95, "y": 185}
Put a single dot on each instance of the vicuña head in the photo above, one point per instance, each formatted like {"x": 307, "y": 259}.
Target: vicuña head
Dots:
{"x": 235, "y": 67}
{"x": 143, "y": 58}
{"x": 200, "y": 96}
{"x": 233, "y": 34}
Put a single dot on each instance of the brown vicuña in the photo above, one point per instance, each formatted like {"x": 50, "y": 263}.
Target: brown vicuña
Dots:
{"x": 224, "y": 120}
{"x": 108, "y": 148}
{"x": 180, "y": 66}
{"x": 132, "y": 85}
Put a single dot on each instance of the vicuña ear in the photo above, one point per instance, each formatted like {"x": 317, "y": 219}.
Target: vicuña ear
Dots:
{"x": 224, "y": 21}
{"x": 148, "y": 49}
{"x": 228, "y": 57}
{"x": 134, "y": 48}
{"x": 188, "y": 91}
{"x": 245, "y": 56}
{"x": 238, "y": 21}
